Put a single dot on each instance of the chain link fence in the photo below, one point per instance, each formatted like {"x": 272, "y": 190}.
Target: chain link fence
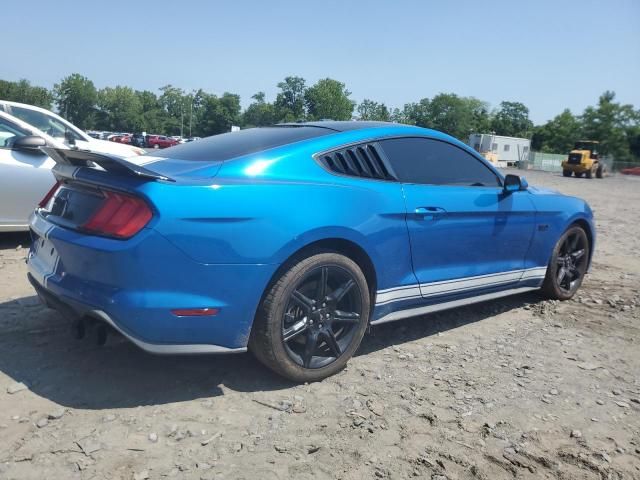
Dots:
{"x": 552, "y": 162}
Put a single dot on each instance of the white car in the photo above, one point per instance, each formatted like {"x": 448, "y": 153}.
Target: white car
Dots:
{"x": 57, "y": 127}
{"x": 25, "y": 170}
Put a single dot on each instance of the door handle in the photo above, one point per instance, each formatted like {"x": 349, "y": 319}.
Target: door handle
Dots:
{"x": 430, "y": 213}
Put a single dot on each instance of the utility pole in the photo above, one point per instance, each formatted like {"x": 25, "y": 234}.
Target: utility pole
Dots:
{"x": 191, "y": 116}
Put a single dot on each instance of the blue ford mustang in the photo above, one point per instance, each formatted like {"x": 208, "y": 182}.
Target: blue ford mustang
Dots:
{"x": 290, "y": 240}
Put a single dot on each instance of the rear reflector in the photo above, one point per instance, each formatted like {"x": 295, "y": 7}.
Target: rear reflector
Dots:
{"x": 119, "y": 215}
{"x": 195, "y": 312}
{"x": 43, "y": 203}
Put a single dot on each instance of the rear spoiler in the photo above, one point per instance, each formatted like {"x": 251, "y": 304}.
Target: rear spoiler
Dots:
{"x": 111, "y": 163}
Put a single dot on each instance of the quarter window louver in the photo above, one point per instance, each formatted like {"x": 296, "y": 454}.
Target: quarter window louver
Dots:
{"x": 357, "y": 161}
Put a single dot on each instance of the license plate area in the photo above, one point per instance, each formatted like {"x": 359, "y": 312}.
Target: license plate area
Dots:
{"x": 43, "y": 257}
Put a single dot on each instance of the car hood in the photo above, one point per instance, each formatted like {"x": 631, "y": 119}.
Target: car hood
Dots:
{"x": 544, "y": 191}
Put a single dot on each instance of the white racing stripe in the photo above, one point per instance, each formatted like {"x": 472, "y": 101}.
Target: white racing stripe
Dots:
{"x": 458, "y": 285}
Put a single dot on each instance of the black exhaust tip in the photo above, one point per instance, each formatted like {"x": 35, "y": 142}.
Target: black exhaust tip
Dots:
{"x": 79, "y": 329}
{"x": 101, "y": 335}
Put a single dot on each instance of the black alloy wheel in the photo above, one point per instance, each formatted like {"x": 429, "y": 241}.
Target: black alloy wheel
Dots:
{"x": 313, "y": 318}
{"x": 321, "y": 317}
{"x": 568, "y": 265}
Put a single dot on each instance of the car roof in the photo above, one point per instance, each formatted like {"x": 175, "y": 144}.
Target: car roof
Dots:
{"x": 342, "y": 126}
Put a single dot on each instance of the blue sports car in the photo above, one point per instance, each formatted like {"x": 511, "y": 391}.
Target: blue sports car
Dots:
{"x": 291, "y": 240}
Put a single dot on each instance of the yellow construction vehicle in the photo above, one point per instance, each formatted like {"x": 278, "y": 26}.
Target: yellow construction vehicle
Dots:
{"x": 583, "y": 160}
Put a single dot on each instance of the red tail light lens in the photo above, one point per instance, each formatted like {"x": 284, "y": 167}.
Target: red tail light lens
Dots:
{"x": 43, "y": 203}
{"x": 120, "y": 216}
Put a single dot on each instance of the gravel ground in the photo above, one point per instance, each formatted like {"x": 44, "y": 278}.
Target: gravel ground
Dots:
{"x": 514, "y": 388}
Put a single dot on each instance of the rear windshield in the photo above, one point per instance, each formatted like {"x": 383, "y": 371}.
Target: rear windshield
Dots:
{"x": 236, "y": 144}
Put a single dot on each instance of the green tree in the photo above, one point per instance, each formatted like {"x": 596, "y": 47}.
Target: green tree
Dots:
{"x": 259, "y": 113}
{"x": 119, "y": 109}
{"x": 457, "y": 116}
{"x": 173, "y": 102}
{"x": 448, "y": 113}
{"x": 152, "y": 115}
{"x": 290, "y": 100}
{"x": 414, "y": 113}
{"x": 328, "y": 99}
{"x": 217, "y": 114}
{"x": 22, "y": 91}
{"x": 512, "y": 120}
{"x": 76, "y": 98}
{"x": 370, "y": 110}
{"x": 611, "y": 123}
{"x": 557, "y": 135}
{"x": 633, "y": 134}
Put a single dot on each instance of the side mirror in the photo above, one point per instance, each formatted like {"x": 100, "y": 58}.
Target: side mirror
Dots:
{"x": 68, "y": 136}
{"x": 30, "y": 144}
{"x": 513, "y": 183}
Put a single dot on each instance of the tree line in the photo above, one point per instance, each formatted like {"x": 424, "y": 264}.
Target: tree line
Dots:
{"x": 174, "y": 111}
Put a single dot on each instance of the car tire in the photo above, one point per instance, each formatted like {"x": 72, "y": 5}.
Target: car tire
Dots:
{"x": 568, "y": 264}
{"x": 566, "y": 173}
{"x": 589, "y": 173}
{"x": 305, "y": 331}
{"x": 600, "y": 171}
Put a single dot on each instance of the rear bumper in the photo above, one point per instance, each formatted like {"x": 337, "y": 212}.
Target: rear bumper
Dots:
{"x": 133, "y": 285}
{"x": 75, "y": 310}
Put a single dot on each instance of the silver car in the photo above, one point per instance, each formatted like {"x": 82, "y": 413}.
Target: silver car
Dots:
{"x": 25, "y": 171}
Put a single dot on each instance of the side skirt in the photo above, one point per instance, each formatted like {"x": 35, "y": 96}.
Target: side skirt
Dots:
{"x": 413, "y": 312}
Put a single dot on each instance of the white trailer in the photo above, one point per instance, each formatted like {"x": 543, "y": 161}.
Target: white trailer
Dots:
{"x": 502, "y": 151}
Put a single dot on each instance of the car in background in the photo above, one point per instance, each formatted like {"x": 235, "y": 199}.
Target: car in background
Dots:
{"x": 57, "y": 127}
{"x": 25, "y": 171}
{"x": 138, "y": 140}
{"x": 291, "y": 240}
{"x": 126, "y": 139}
{"x": 160, "y": 141}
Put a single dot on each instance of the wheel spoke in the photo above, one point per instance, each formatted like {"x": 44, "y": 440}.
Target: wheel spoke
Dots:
{"x": 338, "y": 294}
{"x": 578, "y": 254}
{"x": 561, "y": 260}
{"x": 305, "y": 302}
{"x": 573, "y": 244}
{"x": 295, "y": 330}
{"x": 331, "y": 341}
{"x": 574, "y": 272}
{"x": 321, "y": 289}
{"x": 347, "y": 317}
{"x": 309, "y": 348}
{"x": 562, "y": 273}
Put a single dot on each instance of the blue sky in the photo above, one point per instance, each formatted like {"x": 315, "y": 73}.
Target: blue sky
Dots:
{"x": 548, "y": 54}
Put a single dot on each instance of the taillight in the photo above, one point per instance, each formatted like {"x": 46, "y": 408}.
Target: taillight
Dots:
{"x": 43, "y": 203}
{"x": 119, "y": 215}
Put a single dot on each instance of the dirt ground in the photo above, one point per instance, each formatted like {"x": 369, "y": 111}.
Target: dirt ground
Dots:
{"x": 514, "y": 388}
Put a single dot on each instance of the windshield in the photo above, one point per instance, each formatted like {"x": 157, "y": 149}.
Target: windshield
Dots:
{"x": 45, "y": 122}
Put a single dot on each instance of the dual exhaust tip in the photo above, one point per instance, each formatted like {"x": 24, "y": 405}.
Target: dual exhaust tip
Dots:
{"x": 85, "y": 327}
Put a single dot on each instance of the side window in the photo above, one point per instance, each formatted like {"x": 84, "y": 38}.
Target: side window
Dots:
{"x": 506, "y": 148}
{"x": 46, "y": 123}
{"x": 9, "y": 133}
{"x": 422, "y": 160}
